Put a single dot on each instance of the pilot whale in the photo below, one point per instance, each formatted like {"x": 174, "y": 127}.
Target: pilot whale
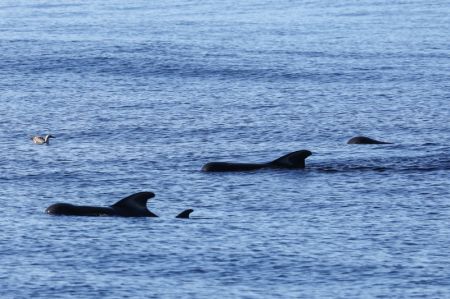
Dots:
{"x": 365, "y": 140}
{"x": 294, "y": 160}
{"x": 134, "y": 205}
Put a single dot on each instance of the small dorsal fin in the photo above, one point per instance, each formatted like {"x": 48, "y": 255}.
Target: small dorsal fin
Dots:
{"x": 185, "y": 214}
{"x": 292, "y": 160}
{"x": 137, "y": 201}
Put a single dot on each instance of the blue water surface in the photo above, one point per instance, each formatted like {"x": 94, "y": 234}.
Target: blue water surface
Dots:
{"x": 140, "y": 95}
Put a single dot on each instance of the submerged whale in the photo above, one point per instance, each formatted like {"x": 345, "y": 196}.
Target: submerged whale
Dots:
{"x": 134, "y": 205}
{"x": 365, "y": 140}
{"x": 294, "y": 160}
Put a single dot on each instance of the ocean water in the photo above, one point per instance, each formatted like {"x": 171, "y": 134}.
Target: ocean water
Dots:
{"x": 140, "y": 95}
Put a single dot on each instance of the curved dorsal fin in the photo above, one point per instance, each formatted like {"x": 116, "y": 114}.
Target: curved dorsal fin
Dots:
{"x": 185, "y": 214}
{"x": 135, "y": 203}
{"x": 292, "y": 160}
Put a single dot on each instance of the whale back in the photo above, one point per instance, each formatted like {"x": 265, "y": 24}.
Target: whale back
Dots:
{"x": 228, "y": 166}
{"x": 365, "y": 140}
{"x": 292, "y": 160}
{"x": 74, "y": 210}
{"x": 134, "y": 205}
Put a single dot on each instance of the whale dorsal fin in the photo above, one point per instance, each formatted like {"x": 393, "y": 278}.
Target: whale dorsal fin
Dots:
{"x": 135, "y": 204}
{"x": 292, "y": 160}
{"x": 185, "y": 214}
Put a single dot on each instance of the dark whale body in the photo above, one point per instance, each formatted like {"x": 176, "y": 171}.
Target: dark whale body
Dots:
{"x": 294, "y": 160}
{"x": 365, "y": 140}
{"x": 134, "y": 205}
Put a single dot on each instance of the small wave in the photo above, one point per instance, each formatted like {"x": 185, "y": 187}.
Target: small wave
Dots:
{"x": 396, "y": 164}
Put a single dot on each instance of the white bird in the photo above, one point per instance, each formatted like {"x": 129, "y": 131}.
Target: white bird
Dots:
{"x": 41, "y": 139}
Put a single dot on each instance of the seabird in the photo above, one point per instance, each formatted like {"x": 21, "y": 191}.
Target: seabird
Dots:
{"x": 41, "y": 139}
